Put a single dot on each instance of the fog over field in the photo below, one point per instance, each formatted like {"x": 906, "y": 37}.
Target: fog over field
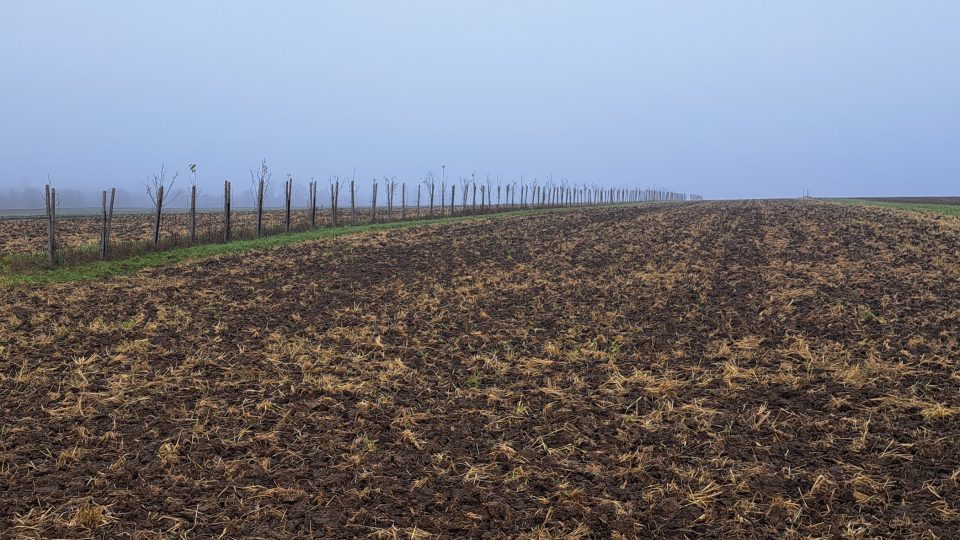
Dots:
{"x": 746, "y": 99}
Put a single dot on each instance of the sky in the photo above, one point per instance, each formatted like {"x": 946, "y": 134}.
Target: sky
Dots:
{"x": 727, "y": 99}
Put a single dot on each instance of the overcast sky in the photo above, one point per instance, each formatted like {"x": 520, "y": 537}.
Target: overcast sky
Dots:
{"x": 723, "y": 98}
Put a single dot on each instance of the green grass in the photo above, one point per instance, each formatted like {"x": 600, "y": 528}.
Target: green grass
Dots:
{"x": 105, "y": 269}
{"x": 945, "y": 209}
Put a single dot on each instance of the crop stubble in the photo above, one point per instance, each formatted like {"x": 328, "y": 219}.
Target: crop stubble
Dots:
{"x": 728, "y": 369}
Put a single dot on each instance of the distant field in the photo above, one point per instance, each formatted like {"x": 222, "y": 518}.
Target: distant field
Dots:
{"x": 942, "y": 207}
{"x": 916, "y": 200}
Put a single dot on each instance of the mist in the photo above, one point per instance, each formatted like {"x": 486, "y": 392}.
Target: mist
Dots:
{"x": 726, "y": 99}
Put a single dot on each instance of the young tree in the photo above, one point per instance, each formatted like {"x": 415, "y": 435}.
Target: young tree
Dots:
{"x": 334, "y": 201}
{"x": 429, "y": 182}
{"x": 373, "y": 205}
{"x": 287, "y": 197}
{"x": 259, "y": 186}
{"x": 158, "y": 186}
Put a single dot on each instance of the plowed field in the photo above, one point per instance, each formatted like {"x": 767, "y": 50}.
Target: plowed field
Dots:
{"x": 722, "y": 369}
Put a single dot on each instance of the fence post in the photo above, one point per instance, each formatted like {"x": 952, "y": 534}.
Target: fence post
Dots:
{"x": 50, "y": 199}
{"x": 390, "y": 188}
{"x": 107, "y": 223}
{"x": 226, "y": 210}
{"x": 334, "y": 198}
{"x": 193, "y": 214}
{"x": 353, "y": 205}
{"x": 259, "y": 201}
{"x": 373, "y": 211}
{"x": 288, "y": 193}
{"x": 313, "y": 204}
{"x": 156, "y": 221}
{"x": 403, "y": 201}
{"x": 103, "y": 226}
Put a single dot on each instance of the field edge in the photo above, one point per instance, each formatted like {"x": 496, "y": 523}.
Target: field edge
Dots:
{"x": 106, "y": 269}
{"x": 942, "y": 209}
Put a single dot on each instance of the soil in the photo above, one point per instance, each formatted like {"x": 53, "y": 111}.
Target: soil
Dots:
{"x": 765, "y": 369}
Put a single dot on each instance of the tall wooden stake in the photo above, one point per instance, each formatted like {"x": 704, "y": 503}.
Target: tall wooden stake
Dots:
{"x": 51, "y": 202}
{"x": 156, "y": 220}
{"x": 107, "y": 222}
{"x": 193, "y": 214}
{"x": 288, "y": 192}
{"x": 226, "y": 211}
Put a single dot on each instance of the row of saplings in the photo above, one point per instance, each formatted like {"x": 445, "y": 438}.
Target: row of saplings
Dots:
{"x": 509, "y": 197}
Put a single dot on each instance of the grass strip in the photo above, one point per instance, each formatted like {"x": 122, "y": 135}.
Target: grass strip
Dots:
{"x": 944, "y": 209}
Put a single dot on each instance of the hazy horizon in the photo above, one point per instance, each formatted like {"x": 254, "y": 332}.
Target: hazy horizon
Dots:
{"x": 734, "y": 100}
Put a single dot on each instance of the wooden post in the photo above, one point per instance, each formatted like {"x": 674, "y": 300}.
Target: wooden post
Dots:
{"x": 390, "y": 186}
{"x": 288, "y": 192}
{"x": 226, "y": 210}
{"x": 103, "y": 226}
{"x": 473, "y": 207}
{"x": 334, "y": 198}
{"x": 403, "y": 201}
{"x": 50, "y": 199}
{"x": 418, "y": 201}
{"x": 353, "y": 205}
{"x": 373, "y": 207}
{"x": 431, "y": 200}
{"x": 107, "y": 222}
{"x": 259, "y": 201}
{"x": 193, "y": 214}
{"x": 443, "y": 191}
{"x": 156, "y": 219}
{"x": 453, "y": 196}
{"x": 312, "y": 200}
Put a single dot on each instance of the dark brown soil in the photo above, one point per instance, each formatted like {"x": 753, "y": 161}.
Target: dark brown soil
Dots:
{"x": 723, "y": 370}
